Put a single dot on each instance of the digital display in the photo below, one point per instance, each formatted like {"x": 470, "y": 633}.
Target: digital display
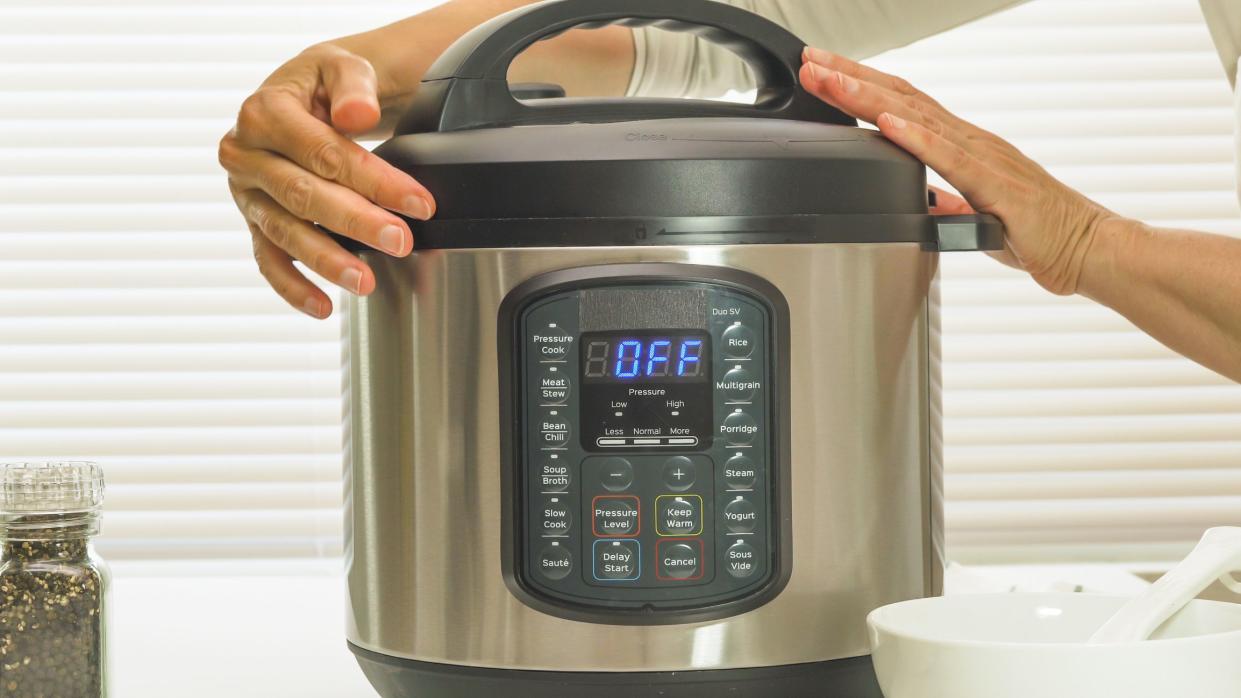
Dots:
{"x": 645, "y": 357}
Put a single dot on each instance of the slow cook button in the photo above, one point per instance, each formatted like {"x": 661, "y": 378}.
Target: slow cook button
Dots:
{"x": 554, "y": 431}
{"x": 740, "y": 559}
{"x": 617, "y": 560}
{"x": 678, "y": 515}
{"x": 739, "y": 472}
{"x": 554, "y": 475}
{"x": 557, "y": 519}
{"x": 553, "y": 386}
{"x": 738, "y": 341}
{"x": 615, "y": 515}
{"x": 737, "y": 384}
{"x": 679, "y": 560}
{"x": 740, "y": 515}
{"x": 738, "y": 428}
{"x": 556, "y": 562}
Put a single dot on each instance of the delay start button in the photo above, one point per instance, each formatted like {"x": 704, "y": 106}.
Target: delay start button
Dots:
{"x": 678, "y": 560}
{"x": 617, "y": 560}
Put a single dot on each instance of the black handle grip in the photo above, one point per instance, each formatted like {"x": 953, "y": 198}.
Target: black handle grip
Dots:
{"x": 969, "y": 233}
{"x": 467, "y": 87}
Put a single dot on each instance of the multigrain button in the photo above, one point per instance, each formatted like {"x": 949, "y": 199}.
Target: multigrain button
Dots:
{"x": 679, "y": 560}
{"x": 678, "y": 473}
{"x": 617, "y": 560}
{"x": 616, "y": 474}
{"x": 557, "y": 519}
{"x": 738, "y": 428}
{"x": 740, "y": 559}
{"x": 554, "y": 474}
{"x": 739, "y": 472}
{"x": 738, "y": 384}
{"x": 615, "y": 515}
{"x": 556, "y": 562}
{"x": 740, "y": 515}
{"x": 678, "y": 515}
{"x": 553, "y": 386}
{"x": 738, "y": 341}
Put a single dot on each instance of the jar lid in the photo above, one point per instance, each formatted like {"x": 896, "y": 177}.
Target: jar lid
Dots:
{"x": 56, "y": 487}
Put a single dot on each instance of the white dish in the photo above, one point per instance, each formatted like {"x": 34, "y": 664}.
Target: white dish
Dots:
{"x": 1037, "y": 646}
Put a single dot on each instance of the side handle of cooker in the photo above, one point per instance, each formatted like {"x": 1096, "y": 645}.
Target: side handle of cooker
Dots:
{"x": 468, "y": 86}
{"x": 970, "y": 233}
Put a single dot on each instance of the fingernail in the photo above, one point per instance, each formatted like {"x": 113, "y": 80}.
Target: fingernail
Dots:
{"x": 312, "y": 307}
{"x": 392, "y": 239}
{"x": 847, "y": 83}
{"x": 895, "y": 121}
{"x": 816, "y": 55}
{"x": 416, "y": 207}
{"x": 818, "y": 72}
{"x": 351, "y": 279}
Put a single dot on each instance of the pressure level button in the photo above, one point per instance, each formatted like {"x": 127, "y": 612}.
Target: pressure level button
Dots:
{"x": 738, "y": 341}
{"x": 555, "y": 562}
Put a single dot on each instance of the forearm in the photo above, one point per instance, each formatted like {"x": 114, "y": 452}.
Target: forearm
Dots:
{"x": 595, "y": 62}
{"x": 1182, "y": 287}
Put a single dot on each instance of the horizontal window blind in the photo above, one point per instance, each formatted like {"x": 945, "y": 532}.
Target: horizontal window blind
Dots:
{"x": 1069, "y": 434}
{"x": 137, "y": 332}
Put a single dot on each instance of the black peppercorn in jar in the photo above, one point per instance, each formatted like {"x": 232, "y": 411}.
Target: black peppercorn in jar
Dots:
{"x": 53, "y": 587}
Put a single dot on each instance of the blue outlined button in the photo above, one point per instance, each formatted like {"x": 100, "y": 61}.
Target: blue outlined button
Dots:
{"x": 617, "y": 560}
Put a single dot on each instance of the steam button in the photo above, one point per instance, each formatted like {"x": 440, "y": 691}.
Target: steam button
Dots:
{"x": 556, "y": 562}
{"x": 738, "y": 428}
{"x": 739, "y": 472}
{"x": 738, "y": 341}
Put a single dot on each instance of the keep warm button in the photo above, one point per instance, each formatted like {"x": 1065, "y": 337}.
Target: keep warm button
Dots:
{"x": 678, "y": 515}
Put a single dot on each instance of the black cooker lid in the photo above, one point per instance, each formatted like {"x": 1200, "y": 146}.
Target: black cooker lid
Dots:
{"x": 580, "y": 172}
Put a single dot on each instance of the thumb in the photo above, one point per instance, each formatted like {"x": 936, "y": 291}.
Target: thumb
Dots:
{"x": 352, "y": 92}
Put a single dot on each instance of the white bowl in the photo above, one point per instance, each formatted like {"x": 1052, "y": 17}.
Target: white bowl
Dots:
{"x": 1034, "y": 646}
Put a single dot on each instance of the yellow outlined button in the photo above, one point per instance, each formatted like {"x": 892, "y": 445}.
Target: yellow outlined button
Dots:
{"x": 682, "y": 512}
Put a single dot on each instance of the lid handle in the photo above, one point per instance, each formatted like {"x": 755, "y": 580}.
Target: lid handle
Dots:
{"x": 467, "y": 87}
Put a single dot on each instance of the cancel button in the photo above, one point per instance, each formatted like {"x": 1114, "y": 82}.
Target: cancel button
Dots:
{"x": 679, "y": 560}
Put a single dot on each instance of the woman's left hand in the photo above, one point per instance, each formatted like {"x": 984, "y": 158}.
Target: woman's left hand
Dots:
{"x": 1050, "y": 227}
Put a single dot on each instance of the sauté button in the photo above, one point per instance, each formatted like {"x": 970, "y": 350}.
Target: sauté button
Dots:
{"x": 678, "y": 473}
{"x": 740, "y": 515}
{"x": 556, "y": 562}
{"x": 557, "y": 519}
{"x": 617, "y": 560}
{"x": 737, "y": 384}
{"x": 739, "y": 472}
{"x": 553, "y": 387}
{"x": 678, "y": 515}
{"x": 554, "y": 474}
{"x": 615, "y": 515}
{"x": 740, "y": 559}
{"x": 679, "y": 560}
{"x": 553, "y": 430}
{"x": 738, "y": 428}
{"x": 738, "y": 341}
{"x": 616, "y": 474}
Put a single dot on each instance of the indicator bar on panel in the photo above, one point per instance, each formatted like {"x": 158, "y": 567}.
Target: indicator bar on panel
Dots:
{"x": 631, "y": 441}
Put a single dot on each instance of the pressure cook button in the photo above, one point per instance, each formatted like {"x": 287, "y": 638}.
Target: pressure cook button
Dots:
{"x": 738, "y": 341}
{"x": 679, "y": 560}
{"x": 678, "y": 473}
{"x": 741, "y": 560}
{"x": 557, "y": 519}
{"x": 554, "y": 430}
{"x": 678, "y": 515}
{"x": 615, "y": 515}
{"x": 739, "y": 472}
{"x": 553, "y": 386}
{"x": 617, "y": 560}
{"x": 740, "y": 515}
{"x": 616, "y": 474}
{"x": 738, "y": 428}
{"x": 556, "y": 562}
{"x": 737, "y": 384}
{"x": 554, "y": 475}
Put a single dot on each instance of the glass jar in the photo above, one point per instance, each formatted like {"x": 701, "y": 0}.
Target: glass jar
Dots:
{"x": 53, "y": 587}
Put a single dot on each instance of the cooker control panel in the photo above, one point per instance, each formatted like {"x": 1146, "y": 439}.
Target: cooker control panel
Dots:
{"x": 644, "y": 474}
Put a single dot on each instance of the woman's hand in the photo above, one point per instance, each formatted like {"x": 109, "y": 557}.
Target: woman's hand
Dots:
{"x": 1050, "y": 227}
{"x": 291, "y": 164}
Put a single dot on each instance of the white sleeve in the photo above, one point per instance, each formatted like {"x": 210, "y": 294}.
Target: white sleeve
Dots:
{"x": 1224, "y": 20}
{"x": 674, "y": 64}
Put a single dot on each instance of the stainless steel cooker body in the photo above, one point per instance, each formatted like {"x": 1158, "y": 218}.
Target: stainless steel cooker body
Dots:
{"x": 424, "y": 483}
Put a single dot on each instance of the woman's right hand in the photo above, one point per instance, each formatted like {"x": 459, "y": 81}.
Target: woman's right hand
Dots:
{"x": 291, "y": 164}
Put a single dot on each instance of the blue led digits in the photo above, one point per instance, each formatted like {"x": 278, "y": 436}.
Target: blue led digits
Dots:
{"x": 627, "y": 365}
{"x": 657, "y": 357}
{"x": 690, "y": 360}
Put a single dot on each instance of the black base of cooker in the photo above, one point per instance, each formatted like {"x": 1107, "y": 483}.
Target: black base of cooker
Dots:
{"x": 406, "y": 678}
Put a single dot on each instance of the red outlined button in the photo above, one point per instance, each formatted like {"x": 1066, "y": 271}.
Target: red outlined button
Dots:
{"x": 616, "y": 515}
{"x": 679, "y": 559}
